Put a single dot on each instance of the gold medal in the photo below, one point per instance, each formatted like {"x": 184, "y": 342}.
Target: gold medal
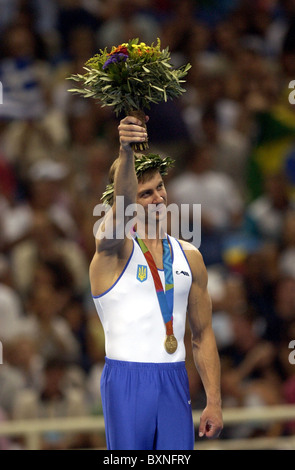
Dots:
{"x": 170, "y": 344}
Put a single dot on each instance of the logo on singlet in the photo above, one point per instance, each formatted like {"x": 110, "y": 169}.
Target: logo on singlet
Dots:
{"x": 182, "y": 272}
{"x": 141, "y": 273}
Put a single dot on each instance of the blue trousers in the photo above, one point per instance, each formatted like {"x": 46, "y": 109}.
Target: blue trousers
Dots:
{"x": 146, "y": 406}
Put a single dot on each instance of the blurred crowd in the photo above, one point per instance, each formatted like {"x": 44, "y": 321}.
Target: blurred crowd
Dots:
{"x": 233, "y": 137}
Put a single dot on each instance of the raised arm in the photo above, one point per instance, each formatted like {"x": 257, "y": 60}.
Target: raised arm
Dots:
{"x": 125, "y": 186}
{"x": 205, "y": 352}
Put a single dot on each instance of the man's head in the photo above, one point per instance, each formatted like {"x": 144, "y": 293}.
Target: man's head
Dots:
{"x": 149, "y": 169}
{"x": 152, "y": 197}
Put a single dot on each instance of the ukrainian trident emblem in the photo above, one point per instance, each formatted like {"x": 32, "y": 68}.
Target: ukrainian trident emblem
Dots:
{"x": 141, "y": 273}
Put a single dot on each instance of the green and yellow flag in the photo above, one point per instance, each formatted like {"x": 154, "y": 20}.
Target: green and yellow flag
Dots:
{"x": 275, "y": 141}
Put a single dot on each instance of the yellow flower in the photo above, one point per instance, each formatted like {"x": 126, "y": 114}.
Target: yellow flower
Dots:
{"x": 142, "y": 48}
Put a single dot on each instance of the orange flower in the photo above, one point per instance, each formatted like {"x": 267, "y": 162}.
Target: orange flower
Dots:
{"x": 120, "y": 49}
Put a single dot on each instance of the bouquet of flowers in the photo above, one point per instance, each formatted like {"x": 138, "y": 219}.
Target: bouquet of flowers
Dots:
{"x": 130, "y": 77}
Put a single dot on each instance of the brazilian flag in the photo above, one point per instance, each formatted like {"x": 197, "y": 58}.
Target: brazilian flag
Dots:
{"x": 274, "y": 142}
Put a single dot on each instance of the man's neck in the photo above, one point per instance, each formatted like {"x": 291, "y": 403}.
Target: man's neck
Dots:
{"x": 153, "y": 239}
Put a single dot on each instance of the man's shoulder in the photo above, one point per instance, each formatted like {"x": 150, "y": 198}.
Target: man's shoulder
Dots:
{"x": 192, "y": 253}
{"x": 187, "y": 246}
{"x": 196, "y": 262}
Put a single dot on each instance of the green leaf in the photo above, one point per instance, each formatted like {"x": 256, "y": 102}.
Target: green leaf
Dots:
{"x": 156, "y": 87}
{"x": 165, "y": 95}
{"x": 136, "y": 79}
{"x": 105, "y": 78}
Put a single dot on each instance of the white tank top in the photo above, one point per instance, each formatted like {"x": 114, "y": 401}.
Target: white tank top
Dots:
{"x": 130, "y": 314}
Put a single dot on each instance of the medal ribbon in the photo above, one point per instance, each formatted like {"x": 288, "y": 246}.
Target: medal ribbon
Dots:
{"x": 165, "y": 298}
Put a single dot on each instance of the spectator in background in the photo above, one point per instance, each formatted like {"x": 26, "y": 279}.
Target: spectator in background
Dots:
{"x": 9, "y": 10}
{"x": 264, "y": 217}
{"x": 71, "y": 15}
{"x": 5, "y": 442}
{"x": 231, "y": 148}
{"x": 75, "y": 315}
{"x": 181, "y": 32}
{"x": 87, "y": 131}
{"x": 260, "y": 282}
{"x": 73, "y": 59}
{"x": 286, "y": 259}
{"x": 54, "y": 399}
{"x": 11, "y": 308}
{"x": 221, "y": 204}
{"x": 28, "y": 142}
{"x": 44, "y": 228}
{"x": 284, "y": 306}
{"x": 232, "y": 301}
{"x": 47, "y": 187}
{"x": 23, "y": 76}
{"x": 45, "y": 325}
{"x": 128, "y": 21}
{"x": 249, "y": 376}
{"x": 23, "y": 356}
{"x": 12, "y": 382}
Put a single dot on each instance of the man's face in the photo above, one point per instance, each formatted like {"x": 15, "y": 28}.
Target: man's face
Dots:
{"x": 152, "y": 196}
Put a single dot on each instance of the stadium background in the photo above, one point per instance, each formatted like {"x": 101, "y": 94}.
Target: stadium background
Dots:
{"x": 232, "y": 134}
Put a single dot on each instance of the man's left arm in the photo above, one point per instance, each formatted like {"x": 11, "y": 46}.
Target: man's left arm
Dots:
{"x": 205, "y": 351}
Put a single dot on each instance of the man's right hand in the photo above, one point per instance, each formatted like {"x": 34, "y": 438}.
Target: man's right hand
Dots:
{"x": 131, "y": 130}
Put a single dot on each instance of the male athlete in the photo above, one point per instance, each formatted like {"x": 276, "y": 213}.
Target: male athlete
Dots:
{"x": 142, "y": 304}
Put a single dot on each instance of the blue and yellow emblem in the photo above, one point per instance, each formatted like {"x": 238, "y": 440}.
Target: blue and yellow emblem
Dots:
{"x": 141, "y": 272}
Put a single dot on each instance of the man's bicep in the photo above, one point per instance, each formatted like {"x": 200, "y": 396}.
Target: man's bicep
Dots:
{"x": 199, "y": 309}
{"x": 199, "y": 302}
